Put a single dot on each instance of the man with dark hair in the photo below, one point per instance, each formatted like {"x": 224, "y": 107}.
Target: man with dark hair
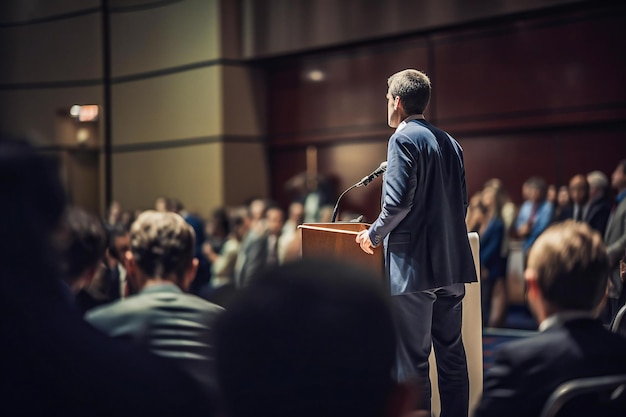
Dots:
{"x": 595, "y": 212}
{"x": 615, "y": 239}
{"x": 427, "y": 252}
{"x": 566, "y": 278}
{"x": 52, "y": 362}
{"x": 83, "y": 251}
{"x": 84, "y": 247}
{"x": 309, "y": 339}
{"x": 111, "y": 283}
{"x": 161, "y": 317}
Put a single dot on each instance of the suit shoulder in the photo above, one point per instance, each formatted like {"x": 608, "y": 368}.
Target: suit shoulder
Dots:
{"x": 201, "y": 304}
{"x": 130, "y": 305}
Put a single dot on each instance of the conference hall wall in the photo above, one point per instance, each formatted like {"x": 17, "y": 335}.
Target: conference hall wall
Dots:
{"x": 184, "y": 115}
{"x": 536, "y": 94}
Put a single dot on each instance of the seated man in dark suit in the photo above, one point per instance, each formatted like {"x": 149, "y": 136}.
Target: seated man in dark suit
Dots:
{"x": 52, "y": 362}
{"x": 310, "y": 339}
{"x": 161, "y": 317}
{"x": 593, "y": 211}
{"x": 566, "y": 279}
{"x": 84, "y": 245}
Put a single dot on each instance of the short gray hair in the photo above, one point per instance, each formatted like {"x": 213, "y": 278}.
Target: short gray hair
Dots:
{"x": 413, "y": 88}
{"x": 597, "y": 179}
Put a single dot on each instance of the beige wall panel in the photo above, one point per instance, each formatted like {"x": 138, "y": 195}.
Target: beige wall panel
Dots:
{"x": 244, "y": 101}
{"x": 60, "y": 50}
{"x": 282, "y": 26}
{"x": 192, "y": 174}
{"x": 24, "y": 10}
{"x": 177, "y": 106}
{"x": 35, "y": 113}
{"x": 163, "y": 37}
{"x": 245, "y": 172}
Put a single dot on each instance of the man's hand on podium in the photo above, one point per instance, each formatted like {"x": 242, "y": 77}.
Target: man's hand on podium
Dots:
{"x": 363, "y": 239}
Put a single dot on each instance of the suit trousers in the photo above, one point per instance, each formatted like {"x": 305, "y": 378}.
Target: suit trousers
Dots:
{"x": 434, "y": 317}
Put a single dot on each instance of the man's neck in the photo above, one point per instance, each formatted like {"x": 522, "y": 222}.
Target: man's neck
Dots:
{"x": 152, "y": 281}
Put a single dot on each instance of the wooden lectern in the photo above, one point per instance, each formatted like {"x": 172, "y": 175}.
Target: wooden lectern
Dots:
{"x": 337, "y": 240}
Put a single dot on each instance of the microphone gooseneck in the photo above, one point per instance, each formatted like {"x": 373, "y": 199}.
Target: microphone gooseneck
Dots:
{"x": 364, "y": 181}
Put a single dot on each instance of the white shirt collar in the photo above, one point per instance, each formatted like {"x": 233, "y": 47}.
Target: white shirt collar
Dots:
{"x": 403, "y": 124}
{"x": 562, "y": 317}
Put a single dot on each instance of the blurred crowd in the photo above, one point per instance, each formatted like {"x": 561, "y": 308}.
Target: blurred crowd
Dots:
{"x": 586, "y": 198}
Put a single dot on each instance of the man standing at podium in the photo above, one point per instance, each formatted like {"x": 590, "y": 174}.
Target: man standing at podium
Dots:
{"x": 427, "y": 253}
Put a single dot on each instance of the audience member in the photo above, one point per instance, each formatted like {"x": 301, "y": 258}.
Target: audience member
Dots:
{"x": 491, "y": 235}
{"x": 112, "y": 284}
{"x": 475, "y": 213}
{"x": 309, "y": 339}
{"x": 313, "y": 191}
{"x": 566, "y": 278}
{"x": 499, "y": 297}
{"x": 223, "y": 263}
{"x": 615, "y": 239}
{"x": 256, "y": 210}
{"x": 599, "y": 205}
{"x": 114, "y": 213}
{"x": 551, "y": 194}
{"x": 203, "y": 273}
{"x": 53, "y": 363}
{"x": 563, "y": 209}
{"x": 291, "y": 237}
{"x": 593, "y": 212}
{"x": 162, "y": 204}
{"x": 161, "y": 317}
{"x": 535, "y": 214}
{"x": 84, "y": 245}
{"x": 260, "y": 251}
{"x": 579, "y": 193}
{"x": 598, "y": 185}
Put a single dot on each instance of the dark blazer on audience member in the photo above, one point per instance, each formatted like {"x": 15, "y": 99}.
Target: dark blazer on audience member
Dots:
{"x": 598, "y": 215}
{"x": 526, "y": 372}
{"x": 164, "y": 320}
{"x": 251, "y": 259}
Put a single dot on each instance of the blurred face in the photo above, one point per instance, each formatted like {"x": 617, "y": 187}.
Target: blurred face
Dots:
{"x": 394, "y": 116}
{"x": 488, "y": 197}
{"x": 160, "y": 205}
{"x": 578, "y": 190}
{"x": 618, "y": 179}
{"x": 274, "y": 218}
{"x": 534, "y": 194}
{"x": 551, "y": 195}
{"x": 563, "y": 196}
{"x": 122, "y": 245}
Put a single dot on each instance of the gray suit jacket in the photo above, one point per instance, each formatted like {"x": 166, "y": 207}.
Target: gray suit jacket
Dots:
{"x": 615, "y": 239}
{"x": 422, "y": 220}
{"x": 168, "y": 322}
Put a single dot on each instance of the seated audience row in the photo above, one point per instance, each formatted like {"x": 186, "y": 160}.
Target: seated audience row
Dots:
{"x": 309, "y": 338}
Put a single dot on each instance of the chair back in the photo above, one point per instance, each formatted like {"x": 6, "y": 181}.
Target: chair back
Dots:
{"x": 594, "y": 396}
{"x": 619, "y": 322}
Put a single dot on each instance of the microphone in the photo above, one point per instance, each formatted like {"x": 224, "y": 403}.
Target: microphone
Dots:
{"x": 366, "y": 180}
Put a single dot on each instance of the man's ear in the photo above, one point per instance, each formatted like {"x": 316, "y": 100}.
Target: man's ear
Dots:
{"x": 532, "y": 282}
{"x": 397, "y": 103}
{"x": 190, "y": 274}
{"x": 132, "y": 271}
